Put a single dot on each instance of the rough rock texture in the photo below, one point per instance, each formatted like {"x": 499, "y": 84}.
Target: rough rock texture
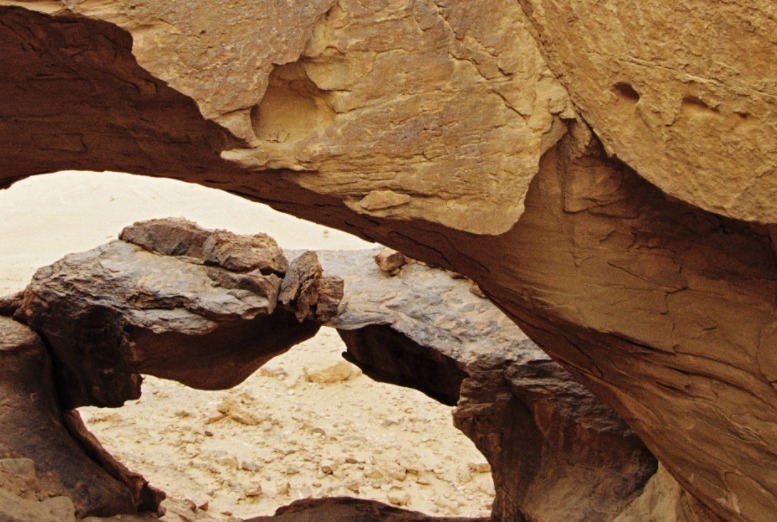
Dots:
{"x": 366, "y": 104}
{"x": 45, "y": 472}
{"x": 664, "y": 499}
{"x": 120, "y": 310}
{"x": 546, "y": 437}
{"x": 342, "y": 509}
{"x": 305, "y": 290}
{"x": 683, "y": 92}
{"x": 665, "y": 311}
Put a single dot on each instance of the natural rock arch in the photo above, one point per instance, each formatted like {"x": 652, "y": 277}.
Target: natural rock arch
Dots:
{"x": 664, "y": 310}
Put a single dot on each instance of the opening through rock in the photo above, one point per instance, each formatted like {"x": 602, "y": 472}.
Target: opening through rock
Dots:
{"x": 279, "y": 436}
{"x": 307, "y": 424}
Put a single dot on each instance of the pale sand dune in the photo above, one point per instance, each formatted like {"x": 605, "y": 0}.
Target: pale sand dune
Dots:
{"x": 356, "y": 437}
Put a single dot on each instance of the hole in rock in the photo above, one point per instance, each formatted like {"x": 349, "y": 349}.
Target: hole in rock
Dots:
{"x": 292, "y": 107}
{"x": 389, "y": 443}
{"x": 626, "y": 91}
{"x": 281, "y": 436}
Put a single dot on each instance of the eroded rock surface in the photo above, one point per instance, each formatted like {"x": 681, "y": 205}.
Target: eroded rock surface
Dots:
{"x": 194, "y": 301}
{"x": 665, "y": 311}
{"x": 546, "y": 437}
{"x": 685, "y": 93}
{"x": 45, "y": 472}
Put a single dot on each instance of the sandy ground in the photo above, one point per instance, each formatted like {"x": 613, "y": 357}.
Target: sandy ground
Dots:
{"x": 281, "y": 435}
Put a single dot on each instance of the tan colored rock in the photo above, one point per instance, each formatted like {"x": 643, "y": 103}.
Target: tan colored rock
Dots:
{"x": 389, "y": 261}
{"x": 341, "y": 371}
{"x": 666, "y": 311}
{"x": 366, "y": 104}
{"x": 683, "y": 92}
{"x": 17, "y": 509}
{"x": 238, "y": 409}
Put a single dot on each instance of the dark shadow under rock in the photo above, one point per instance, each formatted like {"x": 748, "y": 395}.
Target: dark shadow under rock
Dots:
{"x": 344, "y": 509}
{"x": 32, "y": 426}
{"x": 556, "y": 451}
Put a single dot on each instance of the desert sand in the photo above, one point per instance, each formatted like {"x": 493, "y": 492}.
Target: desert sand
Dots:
{"x": 307, "y": 424}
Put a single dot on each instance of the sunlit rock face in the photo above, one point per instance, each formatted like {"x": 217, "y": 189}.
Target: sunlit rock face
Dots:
{"x": 634, "y": 244}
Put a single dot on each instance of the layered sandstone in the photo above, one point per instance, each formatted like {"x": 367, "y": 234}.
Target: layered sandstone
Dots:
{"x": 661, "y": 307}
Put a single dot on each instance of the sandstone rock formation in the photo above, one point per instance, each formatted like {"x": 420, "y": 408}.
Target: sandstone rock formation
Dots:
{"x": 422, "y": 124}
{"x": 47, "y": 470}
{"x": 545, "y": 436}
{"x": 177, "y": 303}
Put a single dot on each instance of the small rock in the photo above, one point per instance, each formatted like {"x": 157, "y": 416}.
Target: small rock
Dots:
{"x": 282, "y": 489}
{"x": 475, "y": 290}
{"x": 235, "y": 408}
{"x": 341, "y": 371}
{"x": 399, "y": 499}
{"x": 276, "y": 372}
{"x": 254, "y": 492}
{"x": 479, "y": 467}
{"x": 390, "y": 261}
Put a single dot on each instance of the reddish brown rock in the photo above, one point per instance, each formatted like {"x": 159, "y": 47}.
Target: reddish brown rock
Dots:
{"x": 168, "y": 237}
{"x": 545, "y": 436}
{"x": 306, "y": 291}
{"x": 240, "y": 253}
{"x": 389, "y": 261}
{"x": 32, "y": 426}
{"x": 343, "y": 509}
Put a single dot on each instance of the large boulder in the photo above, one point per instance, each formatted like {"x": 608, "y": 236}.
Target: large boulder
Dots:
{"x": 546, "y": 437}
{"x": 171, "y": 300}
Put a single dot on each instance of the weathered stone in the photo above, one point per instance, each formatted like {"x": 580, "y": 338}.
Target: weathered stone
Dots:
{"x": 17, "y": 509}
{"x": 18, "y": 476}
{"x": 368, "y": 104}
{"x": 545, "y": 436}
{"x": 169, "y": 237}
{"x": 685, "y": 93}
{"x": 339, "y": 372}
{"x": 307, "y": 292}
{"x": 33, "y": 427}
{"x": 117, "y": 311}
{"x": 239, "y": 253}
{"x": 389, "y": 260}
{"x": 10, "y": 303}
{"x": 664, "y": 499}
{"x": 665, "y": 311}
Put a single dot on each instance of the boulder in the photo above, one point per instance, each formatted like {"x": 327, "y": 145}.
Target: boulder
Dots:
{"x": 120, "y": 310}
{"x": 545, "y": 436}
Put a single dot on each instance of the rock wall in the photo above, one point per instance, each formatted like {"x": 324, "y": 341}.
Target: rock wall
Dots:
{"x": 664, "y": 309}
